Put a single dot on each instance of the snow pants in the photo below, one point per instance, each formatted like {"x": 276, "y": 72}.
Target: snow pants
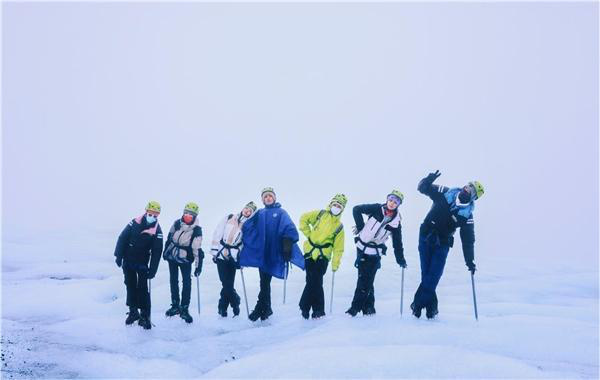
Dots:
{"x": 313, "y": 295}
{"x": 364, "y": 295}
{"x": 433, "y": 255}
{"x": 186, "y": 277}
{"x": 229, "y": 296}
{"x": 138, "y": 296}
{"x": 264, "y": 295}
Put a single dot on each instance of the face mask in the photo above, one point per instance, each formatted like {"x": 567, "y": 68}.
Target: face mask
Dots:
{"x": 188, "y": 219}
{"x": 336, "y": 210}
{"x": 150, "y": 218}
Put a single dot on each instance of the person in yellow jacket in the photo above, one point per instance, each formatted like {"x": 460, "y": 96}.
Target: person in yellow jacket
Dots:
{"x": 324, "y": 232}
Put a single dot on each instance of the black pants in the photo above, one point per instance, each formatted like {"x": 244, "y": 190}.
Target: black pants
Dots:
{"x": 313, "y": 295}
{"x": 229, "y": 296}
{"x": 364, "y": 295}
{"x": 138, "y": 296}
{"x": 186, "y": 275}
{"x": 264, "y": 295}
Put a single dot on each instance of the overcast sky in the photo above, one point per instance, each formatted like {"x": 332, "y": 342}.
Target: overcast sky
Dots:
{"x": 106, "y": 106}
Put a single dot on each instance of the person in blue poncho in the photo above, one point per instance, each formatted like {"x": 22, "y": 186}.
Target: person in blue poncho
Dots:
{"x": 269, "y": 240}
{"x": 452, "y": 208}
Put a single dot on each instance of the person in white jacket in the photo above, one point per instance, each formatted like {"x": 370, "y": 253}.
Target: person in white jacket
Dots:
{"x": 226, "y": 247}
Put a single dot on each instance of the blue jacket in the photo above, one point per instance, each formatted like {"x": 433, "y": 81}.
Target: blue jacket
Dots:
{"x": 262, "y": 236}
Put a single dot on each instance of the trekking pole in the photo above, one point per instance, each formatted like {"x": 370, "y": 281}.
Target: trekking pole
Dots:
{"x": 285, "y": 280}
{"x": 474, "y": 298}
{"x": 198, "y": 292}
{"x": 150, "y": 296}
{"x": 402, "y": 292}
{"x": 331, "y": 300}
{"x": 245, "y": 296}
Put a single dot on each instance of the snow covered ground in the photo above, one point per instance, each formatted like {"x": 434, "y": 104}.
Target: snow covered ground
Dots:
{"x": 63, "y": 316}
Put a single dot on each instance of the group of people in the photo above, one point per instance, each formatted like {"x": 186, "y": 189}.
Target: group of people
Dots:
{"x": 267, "y": 238}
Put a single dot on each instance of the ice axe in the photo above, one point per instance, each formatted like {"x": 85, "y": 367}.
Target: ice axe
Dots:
{"x": 198, "y": 292}
{"x": 332, "y": 284}
{"x": 245, "y": 296}
{"x": 402, "y": 292}
{"x": 287, "y": 268}
{"x": 474, "y": 298}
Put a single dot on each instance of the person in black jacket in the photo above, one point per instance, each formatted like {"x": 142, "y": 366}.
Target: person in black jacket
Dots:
{"x": 451, "y": 209}
{"x": 138, "y": 252}
{"x": 383, "y": 221}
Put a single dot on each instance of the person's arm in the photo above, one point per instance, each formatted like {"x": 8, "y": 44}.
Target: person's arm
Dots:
{"x": 122, "y": 242}
{"x": 338, "y": 250}
{"x": 427, "y": 187}
{"x": 359, "y": 210}
{"x": 287, "y": 228}
{"x": 169, "y": 237}
{"x": 197, "y": 244}
{"x": 156, "y": 252}
{"x": 467, "y": 237}
{"x": 398, "y": 247}
{"x": 217, "y": 236}
{"x": 307, "y": 220}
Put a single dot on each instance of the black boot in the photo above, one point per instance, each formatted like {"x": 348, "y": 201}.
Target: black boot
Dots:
{"x": 145, "y": 320}
{"x": 267, "y": 312}
{"x": 236, "y": 306}
{"x": 223, "y": 312}
{"x": 431, "y": 310}
{"x": 174, "y": 310}
{"x": 185, "y": 315}
{"x": 416, "y": 310}
{"x": 305, "y": 313}
{"x": 352, "y": 312}
{"x": 132, "y": 316}
{"x": 318, "y": 314}
{"x": 370, "y": 310}
{"x": 255, "y": 313}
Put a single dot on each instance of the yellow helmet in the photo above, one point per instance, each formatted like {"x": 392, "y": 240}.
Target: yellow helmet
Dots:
{"x": 153, "y": 206}
{"x": 191, "y": 207}
{"x": 478, "y": 188}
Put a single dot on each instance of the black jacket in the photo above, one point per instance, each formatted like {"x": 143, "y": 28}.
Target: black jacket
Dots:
{"x": 444, "y": 222}
{"x": 375, "y": 210}
{"x": 139, "y": 245}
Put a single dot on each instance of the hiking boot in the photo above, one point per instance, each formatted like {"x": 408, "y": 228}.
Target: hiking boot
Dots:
{"x": 236, "y": 306}
{"x": 185, "y": 315}
{"x": 415, "y": 310}
{"x": 255, "y": 314}
{"x": 305, "y": 313}
{"x": 431, "y": 312}
{"x": 266, "y": 314}
{"x": 132, "y": 316}
{"x": 174, "y": 310}
{"x": 352, "y": 312}
{"x": 318, "y": 314}
{"x": 145, "y": 323}
{"x": 369, "y": 311}
{"x": 222, "y": 312}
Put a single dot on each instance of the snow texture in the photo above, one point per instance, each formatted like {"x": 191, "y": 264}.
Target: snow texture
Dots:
{"x": 108, "y": 105}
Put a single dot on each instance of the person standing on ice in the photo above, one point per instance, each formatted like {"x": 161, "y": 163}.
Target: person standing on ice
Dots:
{"x": 226, "y": 247}
{"x": 451, "y": 209}
{"x": 324, "y": 232}
{"x": 183, "y": 247}
{"x": 269, "y": 240}
{"x": 383, "y": 221}
{"x": 138, "y": 252}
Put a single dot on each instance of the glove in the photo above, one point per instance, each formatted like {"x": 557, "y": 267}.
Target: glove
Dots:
{"x": 198, "y": 269}
{"x": 119, "y": 261}
{"x": 287, "y": 249}
{"x": 433, "y": 176}
{"x": 401, "y": 261}
{"x": 237, "y": 264}
{"x": 334, "y": 268}
{"x": 471, "y": 266}
{"x": 214, "y": 259}
{"x": 355, "y": 230}
{"x": 151, "y": 275}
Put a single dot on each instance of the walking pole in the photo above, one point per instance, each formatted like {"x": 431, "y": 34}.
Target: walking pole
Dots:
{"x": 474, "y": 298}
{"x": 332, "y": 284}
{"x": 245, "y": 296}
{"x": 402, "y": 292}
{"x": 285, "y": 280}
{"x": 198, "y": 292}
{"x": 150, "y": 296}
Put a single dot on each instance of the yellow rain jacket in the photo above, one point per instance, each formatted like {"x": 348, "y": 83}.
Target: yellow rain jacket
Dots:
{"x": 326, "y": 230}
